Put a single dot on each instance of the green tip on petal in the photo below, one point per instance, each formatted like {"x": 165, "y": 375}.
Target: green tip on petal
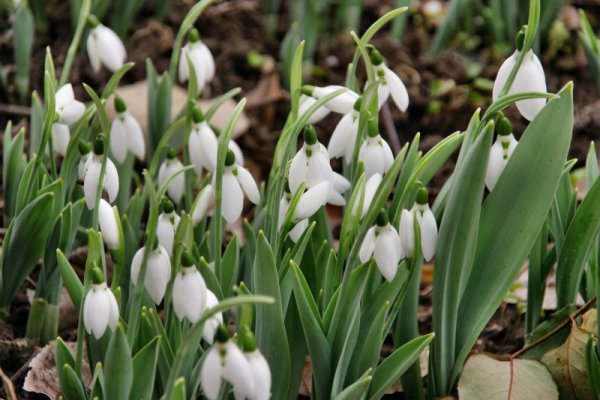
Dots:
{"x": 197, "y": 115}
{"x": 249, "y": 342}
{"x": 229, "y": 158}
{"x": 307, "y": 90}
{"x": 382, "y": 218}
{"x": 97, "y": 276}
{"x": 166, "y": 205}
{"x": 358, "y": 103}
{"x": 221, "y": 335}
{"x": 376, "y": 57}
{"x": 310, "y": 135}
{"x": 171, "y": 153}
{"x": 120, "y": 105}
{"x": 520, "y": 39}
{"x": 422, "y": 196}
{"x": 187, "y": 259}
{"x": 194, "y": 35}
{"x": 84, "y": 147}
{"x": 93, "y": 21}
{"x": 504, "y": 126}
{"x": 373, "y": 127}
{"x": 99, "y": 145}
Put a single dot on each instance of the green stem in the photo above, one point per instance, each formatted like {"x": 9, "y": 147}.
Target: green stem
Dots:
{"x": 83, "y": 14}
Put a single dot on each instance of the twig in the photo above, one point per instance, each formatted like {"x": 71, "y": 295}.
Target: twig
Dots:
{"x": 390, "y": 129}
{"x": 16, "y": 110}
{"x": 9, "y": 388}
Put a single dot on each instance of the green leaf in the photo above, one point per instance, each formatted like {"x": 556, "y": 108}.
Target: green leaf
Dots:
{"x": 229, "y": 266}
{"x": 28, "y": 230}
{"x": 144, "y": 371}
{"x": 118, "y": 378}
{"x": 269, "y": 328}
{"x": 98, "y": 383}
{"x": 517, "y": 207}
{"x": 357, "y": 390}
{"x": 71, "y": 385}
{"x": 13, "y": 168}
{"x": 23, "y": 36}
{"x": 159, "y": 105}
{"x": 592, "y": 364}
{"x": 390, "y": 370}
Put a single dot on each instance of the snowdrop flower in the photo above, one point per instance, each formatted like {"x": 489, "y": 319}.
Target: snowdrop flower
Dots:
{"x": 426, "y": 224}
{"x": 109, "y": 225}
{"x": 305, "y": 103}
{"x": 60, "y": 138}
{"x": 168, "y": 220}
{"x": 189, "y": 291}
{"x": 126, "y": 134}
{"x": 342, "y": 103}
{"x": 343, "y": 137}
{"x": 67, "y": 108}
{"x": 310, "y": 202}
{"x": 500, "y": 152}
{"x": 382, "y": 241}
{"x": 104, "y": 47}
{"x": 169, "y": 168}
{"x": 211, "y": 325}
{"x": 389, "y": 83}
{"x": 259, "y": 368}
{"x": 85, "y": 153}
{"x": 201, "y": 58}
{"x": 236, "y": 181}
{"x": 203, "y": 201}
{"x": 203, "y": 145}
{"x": 311, "y": 165}
{"x": 92, "y": 176}
{"x": 375, "y": 153}
{"x": 530, "y": 78}
{"x": 158, "y": 271}
{"x": 370, "y": 189}
{"x": 225, "y": 360}
{"x": 100, "y": 308}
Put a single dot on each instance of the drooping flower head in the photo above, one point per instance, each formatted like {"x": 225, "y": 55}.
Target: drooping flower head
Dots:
{"x": 92, "y": 176}
{"x": 110, "y": 227}
{"x": 383, "y": 243}
{"x": 126, "y": 134}
{"x": 389, "y": 83}
{"x": 189, "y": 291}
{"x": 261, "y": 373}
{"x": 68, "y": 109}
{"x": 201, "y": 58}
{"x": 342, "y": 103}
{"x": 310, "y": 202}
{"x": 213, "y": 323}
{"x": 422, "y": 214}
{"x": 169, "y": 168}
{"x": 85, "y": 153}
{"x": 168, "y": 220}
{"x": 343, "y": 137}
{"x": 500, "y": 152}
{"x": 100, "y": 308}
{"x": 158, "y": 271}
{"x": 104, "y": 47}
{"x": 375, "y": 153}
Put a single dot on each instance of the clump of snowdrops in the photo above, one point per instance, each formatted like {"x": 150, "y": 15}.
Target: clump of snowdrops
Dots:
{"x": 170, "y": 308}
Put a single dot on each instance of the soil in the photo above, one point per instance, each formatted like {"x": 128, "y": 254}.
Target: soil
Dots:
{"x": 231, "y": 29}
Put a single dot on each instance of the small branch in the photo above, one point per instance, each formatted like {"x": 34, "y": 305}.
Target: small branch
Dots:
{"x": 390, "y": 128}
{"x": 15, "y": 110}
{"x": 9, "y": 388}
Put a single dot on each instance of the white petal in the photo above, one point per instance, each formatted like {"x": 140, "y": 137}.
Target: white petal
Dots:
{"x": 113, "y": 316}
{"x": 176, "y": 187}
{"x": 201, "y": 204}
{"x": 118, "y": 137}
{"x": 318, "y": 170}
{"x": 305, "y": 103}
{"x": 96, "y": 309}
{"x": 343, "y": 103}
{"x": 368, "y": 245}
{"x": 512, "y": 144}
{"x": 239, "y": 156}
{"x": 248, "y": 184}
{"x": 335, "y": 198}
{"x": 83, "y": 165}
{"x": 195, "y": 150}
{"x": 237, "y": 370}
{"x": 165, "y": 233}
{"x": 64, "y": 96}
{"x": 298, "y": 170}
{"x": 93, "y": 52}
{"x": 383, "y": 93}
{"x": 90, "y": 183}
{"x": 407, "y": 233}
{"x": 60, "y": 138}
{"x": 111, "y": 50}
{"x": 209, "y": 62}
{"x": 210, "y": 327}
{"x": 370, "y": 190}
{"x": 371, "y": 154}
{"x": 386, "y": 252}
{"x": 530, "y": 78}
{"x": 429, "y": 234}
{"x": 111, "y": 182}
{"x": 495, "y": 165}
{"x": 158, "y": 274}
{"x": 183, "y": 67}
{"x": 208, "y": 146}
{"x": 397, "y": 89}
{"x": 135, "y": 137}
{"x": 297, "y": 231}
{"x": 189, "y": 294}
{"x": 342, "y": 136}
{"x": 311, "y": 201}
{"x": 70, "y": 113}
{"x": 340, "y": 183}
{"x": 503, "y": 74}
{"x": 233, "y": 198}
{"x": 210, "y": 374}
{"x": 261, "y": 374}
{"x": 284, "y": 205}
{"x": 108, "y": 225}
{"x": 388, "y": 156}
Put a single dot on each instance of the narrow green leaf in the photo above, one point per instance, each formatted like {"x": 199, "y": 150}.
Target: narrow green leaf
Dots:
{"x": 118, "y": 378}
{"x": 144, "y": 371}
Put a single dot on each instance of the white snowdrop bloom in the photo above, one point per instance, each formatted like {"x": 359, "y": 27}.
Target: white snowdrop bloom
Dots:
{"x": 169, "y": 168}
{"x": 383, "y": 243}
{"x": 68, "y": 109}
{"x": 426, "y": 224}
{"x": 109, "y": 225}
{"x": 100, "y": 308}
{"x": 158, "y": 271}
{"x": 530, "y": 78}
{"x": 225, "y": 360}
{"x": 126, "y": 134}
{"x": 202, "y": 203}
{"x": 201, "y": 58}
{"x": 305, "y": 103}
{"x": 259, "y": 367}
{"x": 389, "y": 83}
{"x": 104, "y": 47}
{"x": 211, "y": 325}
{"x": 92, "y": 176}
{"x": 203, "y": 145}
{"x": 343, "y": 137}
{"x": 311, "y": 165}
{"x": 500, "y": 152}
{"x": 85, "y": 158}
{"x": 342, "y": 103}
{"x": 375, "y": 153}
{"x": 370, "y": 189}
{"x": 60, "y": 138}
{"x": 168, "y": 220}
{"x": 189, "y": 291}
{"x": 308, "y": 204}
{"x": 236, "y": 181}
